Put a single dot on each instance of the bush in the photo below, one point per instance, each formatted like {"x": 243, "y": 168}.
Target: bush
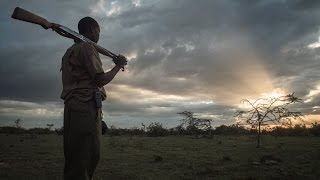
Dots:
{"x": 315, "y": 129}
{"x": 300, "y": 130}
{"x": 40, "y": 131}
{"x": 136, "y": 131}
{"x": 297, "y": 130}
{"x": 156, "y": 130}
{"x": 231, "y": 130}
{"x": 12, "y": 130}
{"x": 179, "y": 130}
{"x": 280, "y": 131}
{"x": 59, "y": 131}
{"x": 113, "y": 131}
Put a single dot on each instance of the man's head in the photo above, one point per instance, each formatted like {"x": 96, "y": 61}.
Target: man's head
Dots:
{"x": 89, "y": 28}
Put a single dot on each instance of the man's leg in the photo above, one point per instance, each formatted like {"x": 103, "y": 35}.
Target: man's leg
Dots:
{"x": 80, "y": 128}
{"x": 94, "y": 145}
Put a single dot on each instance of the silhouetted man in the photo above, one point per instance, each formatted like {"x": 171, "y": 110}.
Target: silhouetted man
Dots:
{"x": 83, "y": 79}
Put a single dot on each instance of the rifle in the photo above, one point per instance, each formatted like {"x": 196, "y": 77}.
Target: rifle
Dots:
{"x": 24, "y": 15}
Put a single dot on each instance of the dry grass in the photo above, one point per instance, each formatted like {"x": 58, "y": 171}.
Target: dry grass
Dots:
{"x": 172, "y": 157}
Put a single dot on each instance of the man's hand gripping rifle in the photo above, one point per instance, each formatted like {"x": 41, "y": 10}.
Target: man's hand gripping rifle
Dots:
{"x": 27, "y": 16}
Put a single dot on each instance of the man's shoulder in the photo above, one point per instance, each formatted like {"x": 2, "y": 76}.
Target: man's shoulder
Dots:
{"x": 86, "y": 45}
{"x": 82, "y": 46}
{"x": 82, "y": 50}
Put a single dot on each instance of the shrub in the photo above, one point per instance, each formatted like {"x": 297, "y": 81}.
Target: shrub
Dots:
{"x": 300, "y": 130}
{"x": 40, "y": 131}
{"x": 113, "y": 131}
{"x": 231, "y": 130}
{"x": 136, "y": 131}
{"x": 156, "y": 130}
{"x": 179, "y": 130}
{"x": 12, "y": 130}
{"x": 59, "y": 131}
{"x": 315, "y": 129}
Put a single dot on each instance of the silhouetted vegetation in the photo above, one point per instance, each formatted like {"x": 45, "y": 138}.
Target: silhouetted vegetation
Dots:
{"x": 12, "y": 130}
{"x": 190, "y": 125}
{"x": 40, "y": 131}
{"x": 315, "y": 129}
{"x": 194, "y": 125}
{"x": 59, "y": 131}
{"x": 17, "y": 123}
{"x": 156, "y": 129}
{"x": 231, "y": 130}
{"x": 264, "y": 111}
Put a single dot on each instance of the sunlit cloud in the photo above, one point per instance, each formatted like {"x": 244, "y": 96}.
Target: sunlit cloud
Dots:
{"x": 264, "y": 98}
{"x": 136, "y": 3}
{"x": 315, "y": 108}
{"x": 29, "y": 109}
{"x": 314, "y": 45}
{"x": 312, "y": 118}
{"x": 106, "y": 8}
{"x": 312, "y": 94}
{"x": 251, "y": 80}
{"x": 140, "y": 95}
{"x": 274, "y": 94}
{"x": 189, "y": 46}
{"x": 31, "y": 114}
{"x": 115, "y": 9}
{"x": 99, "y": 8}
{"x": 131, "y": 55}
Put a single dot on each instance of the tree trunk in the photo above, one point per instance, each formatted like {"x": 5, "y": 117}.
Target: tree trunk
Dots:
{"x": 258, "y": 145}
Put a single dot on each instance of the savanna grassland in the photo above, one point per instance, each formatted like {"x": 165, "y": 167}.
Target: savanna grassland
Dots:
{"x": 29, "y": 156}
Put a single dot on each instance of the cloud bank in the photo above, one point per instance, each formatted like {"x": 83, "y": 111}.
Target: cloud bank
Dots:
{"x": 184, "y": 55}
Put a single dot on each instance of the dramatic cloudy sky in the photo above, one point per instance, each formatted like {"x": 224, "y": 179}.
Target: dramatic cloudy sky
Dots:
{"x": 202, "y": 56}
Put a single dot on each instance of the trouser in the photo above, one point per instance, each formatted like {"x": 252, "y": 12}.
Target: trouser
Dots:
{"x": 82, "y": 134}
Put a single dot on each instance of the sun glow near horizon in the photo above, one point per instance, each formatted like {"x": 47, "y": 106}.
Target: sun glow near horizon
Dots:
{"x": 276, "y": 93}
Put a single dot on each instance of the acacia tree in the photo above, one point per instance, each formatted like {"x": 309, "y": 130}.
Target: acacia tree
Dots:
{"x": 50, "y": 126}
{"x": 18, "y": 123}
{"x": 273, "y": 110}
{"x": 194, "y": 124}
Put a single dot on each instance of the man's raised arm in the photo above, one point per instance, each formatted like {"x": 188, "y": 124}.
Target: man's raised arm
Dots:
{"x": 102, "y": 79}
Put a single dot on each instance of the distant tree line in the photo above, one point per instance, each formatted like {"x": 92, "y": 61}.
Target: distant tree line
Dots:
{"x": 202, "y": 127}
{"x": 38, "y": 130}
{"x": 156, "y": 129}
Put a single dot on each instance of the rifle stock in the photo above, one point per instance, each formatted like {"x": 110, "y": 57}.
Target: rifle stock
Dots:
{"x": 24, "y": 15}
